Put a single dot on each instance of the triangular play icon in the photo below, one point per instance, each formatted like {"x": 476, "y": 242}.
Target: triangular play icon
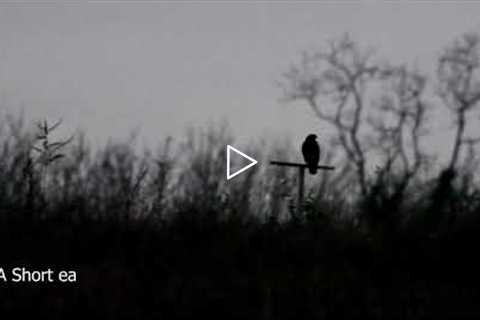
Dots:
{"x": 252, "y": 162}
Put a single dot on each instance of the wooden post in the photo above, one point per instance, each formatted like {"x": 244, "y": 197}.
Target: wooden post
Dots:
{"x": 301, "y": 186}
{"x": 301, "y": 178}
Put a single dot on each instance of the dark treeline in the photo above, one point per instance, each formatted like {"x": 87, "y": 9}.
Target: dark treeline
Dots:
{"x": 163, "y": 235}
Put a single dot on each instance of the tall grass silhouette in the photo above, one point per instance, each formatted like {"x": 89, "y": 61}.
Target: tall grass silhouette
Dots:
{"x": 164, "y": 234}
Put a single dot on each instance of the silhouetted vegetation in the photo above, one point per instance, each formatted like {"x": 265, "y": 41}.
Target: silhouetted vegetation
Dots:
{"x": 164, "y": 235}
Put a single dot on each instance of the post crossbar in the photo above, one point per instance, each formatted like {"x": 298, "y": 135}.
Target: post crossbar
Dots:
{"x": 299, "y": 165}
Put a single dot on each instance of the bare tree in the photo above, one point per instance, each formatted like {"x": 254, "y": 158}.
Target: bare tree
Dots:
{"x": 400, "y": 126}
{"x": 339, "y": 77}
{"x": 341, "y": 84}
{"x": 459, "y": 79}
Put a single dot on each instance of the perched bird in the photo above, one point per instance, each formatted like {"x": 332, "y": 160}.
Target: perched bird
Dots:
{"x": 311, "y": 153}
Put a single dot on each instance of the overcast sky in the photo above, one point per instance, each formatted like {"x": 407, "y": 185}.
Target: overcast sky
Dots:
{"x": 112, "y": 67}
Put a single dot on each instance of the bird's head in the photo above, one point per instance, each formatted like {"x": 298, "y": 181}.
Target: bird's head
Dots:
{"x": 312, "y": 137}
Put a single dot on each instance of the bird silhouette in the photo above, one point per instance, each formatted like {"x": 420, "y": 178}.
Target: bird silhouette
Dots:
{"x": 311, "y": 153}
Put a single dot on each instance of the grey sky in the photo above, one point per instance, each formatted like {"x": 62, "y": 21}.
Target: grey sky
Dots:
{"x": 108, "y": 68}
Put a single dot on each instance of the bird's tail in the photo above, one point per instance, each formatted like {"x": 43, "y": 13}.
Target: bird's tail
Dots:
{"x": 312, "y": 169}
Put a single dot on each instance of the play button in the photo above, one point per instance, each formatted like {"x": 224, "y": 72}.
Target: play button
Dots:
{"x": 243, "y": 169}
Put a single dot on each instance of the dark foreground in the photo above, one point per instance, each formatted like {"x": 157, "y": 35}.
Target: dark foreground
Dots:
{"x": 187, "y": 269}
